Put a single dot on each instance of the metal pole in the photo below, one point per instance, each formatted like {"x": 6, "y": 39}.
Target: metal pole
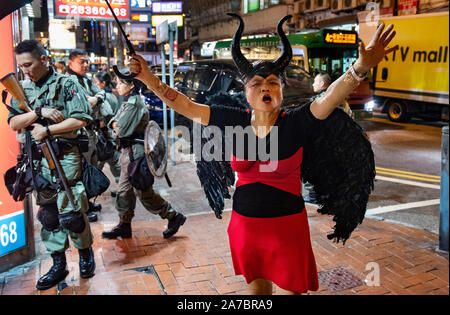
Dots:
{"x": 108, "y": 47}
{"x": 444, "y": 217}
{"x": 163, "y": 79}
{"x": 172, "y": 114}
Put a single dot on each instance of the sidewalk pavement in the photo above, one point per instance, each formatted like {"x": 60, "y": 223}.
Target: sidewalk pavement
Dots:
{"x": 197, "y": 260}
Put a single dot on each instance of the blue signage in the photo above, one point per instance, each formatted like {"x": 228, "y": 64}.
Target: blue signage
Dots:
{"x": 167, "y": 7}
{"x": 12, "y": 232}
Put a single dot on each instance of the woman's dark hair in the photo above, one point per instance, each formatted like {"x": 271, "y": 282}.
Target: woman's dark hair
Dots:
{"x": 103, "y": 76}
{"x": 138, "y": 85}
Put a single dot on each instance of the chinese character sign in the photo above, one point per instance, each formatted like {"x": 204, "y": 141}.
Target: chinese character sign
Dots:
{"x": 92, "y": 9}
{"x": 406, "y": 7}
{"x": 340, "y": 38}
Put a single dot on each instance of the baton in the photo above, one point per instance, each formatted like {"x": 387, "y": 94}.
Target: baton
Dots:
{"x": 130, "y": 47}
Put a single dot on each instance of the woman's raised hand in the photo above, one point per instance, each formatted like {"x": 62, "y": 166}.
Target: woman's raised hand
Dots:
{"x": 371, "y": 55}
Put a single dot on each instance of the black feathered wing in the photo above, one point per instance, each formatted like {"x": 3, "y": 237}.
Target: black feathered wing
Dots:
{"x": 339, "y": 162}
{"x": 216, "y": 177}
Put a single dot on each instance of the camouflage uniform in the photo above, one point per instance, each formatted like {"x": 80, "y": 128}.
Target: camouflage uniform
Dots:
{"x": 90, "y": 89}
{"x": 109, "y": 109}
{"x": 132, "y": 118}
{"x": 62, "y": 93}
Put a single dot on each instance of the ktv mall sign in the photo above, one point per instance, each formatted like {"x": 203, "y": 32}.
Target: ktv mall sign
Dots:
{"x": 92, "y": 9}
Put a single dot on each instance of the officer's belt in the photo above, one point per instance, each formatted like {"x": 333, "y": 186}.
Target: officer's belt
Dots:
{"x": 60, "y": 146}
{"x": 127, "y": 142}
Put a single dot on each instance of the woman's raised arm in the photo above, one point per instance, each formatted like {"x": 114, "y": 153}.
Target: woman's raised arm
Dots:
{"x": 174, "y": 99}
{"x": 369, "y": 57}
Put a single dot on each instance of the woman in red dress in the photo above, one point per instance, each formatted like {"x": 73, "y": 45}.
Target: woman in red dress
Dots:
{"x": 268, "y": 231}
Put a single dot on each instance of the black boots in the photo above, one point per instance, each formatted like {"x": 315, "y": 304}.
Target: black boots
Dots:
{"x": 122, "y": 229}
{"x": 87, "y": 263}
{"x": 95, "y": 207}
{"x": 92, "y": 217}
{"x": 174, "y": 224}
{"x": 57, "y": 273}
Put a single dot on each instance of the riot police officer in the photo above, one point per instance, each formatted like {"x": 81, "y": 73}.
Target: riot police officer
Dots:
{"x": 102, "y": 79}
{"x": 78, "y": 67}
{"x": 59, "y": 101}
{"x": 129, "y": 124}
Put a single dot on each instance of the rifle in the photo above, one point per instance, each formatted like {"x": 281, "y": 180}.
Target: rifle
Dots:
{"x": 13, "y": 86}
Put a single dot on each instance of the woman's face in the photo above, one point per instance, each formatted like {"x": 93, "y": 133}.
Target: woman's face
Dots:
{"x": 123, "y": 88}
{"x": 264, "y": 94}
{"x": 99, "y": 83}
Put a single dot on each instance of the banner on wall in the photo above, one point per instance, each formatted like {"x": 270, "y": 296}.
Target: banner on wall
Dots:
{"x": 12, "y": 218}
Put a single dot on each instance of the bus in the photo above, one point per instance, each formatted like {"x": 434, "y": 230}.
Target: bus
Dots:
{"x": 317, "y": 51}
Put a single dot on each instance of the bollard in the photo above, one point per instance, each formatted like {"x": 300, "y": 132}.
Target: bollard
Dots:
{"x": 444, "y": 219}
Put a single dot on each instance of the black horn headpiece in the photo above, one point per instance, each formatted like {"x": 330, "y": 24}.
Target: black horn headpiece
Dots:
{"x": 248, "y": 70}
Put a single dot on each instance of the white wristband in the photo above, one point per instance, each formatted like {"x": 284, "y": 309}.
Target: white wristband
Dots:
{"x": 354, "y": 75}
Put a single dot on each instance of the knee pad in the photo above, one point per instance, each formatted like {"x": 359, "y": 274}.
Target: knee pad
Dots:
{"x": 48, "y": 216}
{"x": 72, "y": 221}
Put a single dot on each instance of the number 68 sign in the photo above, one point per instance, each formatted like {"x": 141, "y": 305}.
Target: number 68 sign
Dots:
{"x": 12, "y": 232}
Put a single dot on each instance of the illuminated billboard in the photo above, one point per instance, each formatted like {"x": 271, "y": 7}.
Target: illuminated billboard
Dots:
{"x": 167, "y": 7}
{"x": 92, "y": 9}
{"x": 340, "y": 37}
{"x": 62, "y": 34}
{"x": 12, "y": 216}
{"x": 158, "y": 19}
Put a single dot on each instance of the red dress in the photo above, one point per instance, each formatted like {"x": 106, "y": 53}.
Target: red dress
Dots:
{"x": 268, "y": 231}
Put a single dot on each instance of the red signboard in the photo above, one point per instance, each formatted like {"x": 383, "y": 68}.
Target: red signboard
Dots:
{"x": 92, "y": 9}
{"x": 8, "y": 155}
{"x": 407, "y": 7}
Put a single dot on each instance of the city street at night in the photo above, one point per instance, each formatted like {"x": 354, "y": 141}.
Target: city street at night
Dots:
{"x": 210, "y": 151}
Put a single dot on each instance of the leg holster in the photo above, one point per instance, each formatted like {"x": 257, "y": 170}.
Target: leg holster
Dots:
{"x": 48, "y": 216}
{"x": 72, "y": 221}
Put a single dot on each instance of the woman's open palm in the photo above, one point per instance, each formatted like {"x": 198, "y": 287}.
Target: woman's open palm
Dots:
{"x": 371, "y": 55}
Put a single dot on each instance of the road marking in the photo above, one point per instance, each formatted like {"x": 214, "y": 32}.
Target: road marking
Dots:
{"x": 405, "y": 172}
{"x": 403, "y": 206}
{"x": 407, "y": 182}
{"x": 409, "y": 176}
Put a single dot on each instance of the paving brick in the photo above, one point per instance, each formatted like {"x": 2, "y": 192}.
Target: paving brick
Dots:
{"x": 206, "y": 288}
{"x": 197, "y": 260}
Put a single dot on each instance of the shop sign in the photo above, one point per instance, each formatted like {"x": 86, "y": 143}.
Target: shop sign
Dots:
{"x": 158, "y": 19}
{"x": 407, "y": 7}
{"x": 167, "y": 7}
{"x": 12, "y": 219}
{"x": 92, "y": 9}
{"x": 340, "y": 37}
{"x": 61, "y": 34}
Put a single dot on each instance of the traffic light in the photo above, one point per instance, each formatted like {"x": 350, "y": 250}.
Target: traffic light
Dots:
{"x": 85, "y": 35}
